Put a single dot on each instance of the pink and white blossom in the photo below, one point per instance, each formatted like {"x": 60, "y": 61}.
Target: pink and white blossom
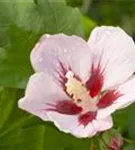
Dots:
{"x": 79, "y": 84}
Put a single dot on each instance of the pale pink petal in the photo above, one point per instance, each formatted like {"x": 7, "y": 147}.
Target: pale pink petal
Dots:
{"x": 114, "y": 52}
{"x": 41, "y": 89}
{"x": 127, "y": 91}
{"x": 103, "y": 124}
{"x": 56, "y": 54}
{"x": 70, "y": 124}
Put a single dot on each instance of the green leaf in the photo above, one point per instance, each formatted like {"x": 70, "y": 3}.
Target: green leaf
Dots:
{"x": 75, "y": 3}
{"x": 21, "y": 131}
{"x": 88, "y": 25}
{"x": 129, "y": 147}
{"x": 21, "y": 24}
{"x": 120, "y": 118}
{"x": 131, "y": 122}
{"x": 124, "y": 120}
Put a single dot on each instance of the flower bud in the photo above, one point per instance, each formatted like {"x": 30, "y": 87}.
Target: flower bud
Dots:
{"x": 112, "y": 139}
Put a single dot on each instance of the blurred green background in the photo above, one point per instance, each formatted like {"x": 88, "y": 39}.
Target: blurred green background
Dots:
{"x": 21, "y": 25}
{"x": 109, "y": 12}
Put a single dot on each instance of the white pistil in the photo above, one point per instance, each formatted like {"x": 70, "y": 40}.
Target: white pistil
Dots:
{"x": 79, "y": 93}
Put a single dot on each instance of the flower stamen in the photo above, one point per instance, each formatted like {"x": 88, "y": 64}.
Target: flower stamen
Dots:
{"x": 79, "y": 93}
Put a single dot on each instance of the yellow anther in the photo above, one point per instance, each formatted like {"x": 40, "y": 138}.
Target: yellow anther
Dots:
{"x": 76, "y": 89}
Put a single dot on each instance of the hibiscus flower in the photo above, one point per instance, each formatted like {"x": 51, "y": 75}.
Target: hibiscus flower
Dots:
{"x": 79, "y": 84}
